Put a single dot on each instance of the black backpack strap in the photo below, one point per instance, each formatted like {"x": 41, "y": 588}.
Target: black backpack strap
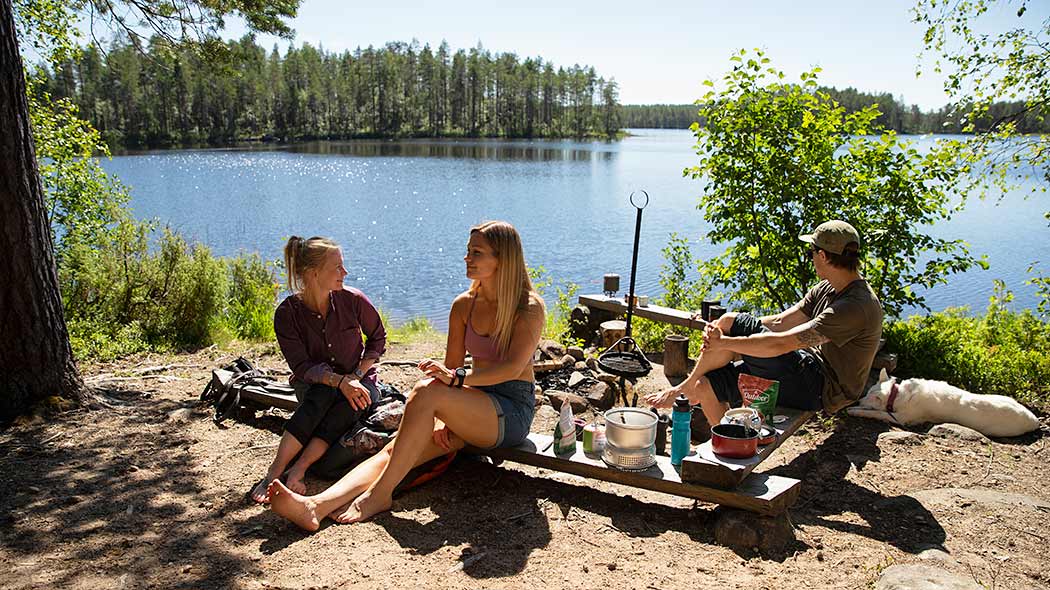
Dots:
{"x": 229, "y": 400}
{"x": 228, "y": 403}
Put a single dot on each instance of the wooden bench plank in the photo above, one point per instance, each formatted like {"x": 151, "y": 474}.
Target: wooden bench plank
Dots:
{"x": 764, "y": 494}
{"x": 706, "y": 468}
{"x": 657, "y": 313}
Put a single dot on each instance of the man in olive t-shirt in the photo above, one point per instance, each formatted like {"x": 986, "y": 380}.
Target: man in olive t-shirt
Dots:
{"x": 820, "y": 350}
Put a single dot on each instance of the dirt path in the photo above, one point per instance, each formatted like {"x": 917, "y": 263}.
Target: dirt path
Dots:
{"x": 150, "y": 493}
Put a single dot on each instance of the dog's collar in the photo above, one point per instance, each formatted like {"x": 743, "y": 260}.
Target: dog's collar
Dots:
{"x": 894, "y": 390}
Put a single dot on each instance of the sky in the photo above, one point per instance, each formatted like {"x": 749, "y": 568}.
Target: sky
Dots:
{"x": 659, "y": 52}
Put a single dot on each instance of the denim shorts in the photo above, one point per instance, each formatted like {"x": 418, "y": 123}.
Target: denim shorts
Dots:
{"x": 515, "y": 403}
{"x": 799, "y": 373}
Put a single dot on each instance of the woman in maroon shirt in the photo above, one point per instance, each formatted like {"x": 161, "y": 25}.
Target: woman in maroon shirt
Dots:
{"x": 320, "y": 328}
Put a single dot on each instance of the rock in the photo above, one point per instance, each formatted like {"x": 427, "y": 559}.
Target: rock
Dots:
{"x": 576, "y": 378}
{"x": 886, "y": 361}
{"x": 575, "y": 352}
{"x": 900, "y": 437}
{"x": 934, "y": 554}
{"x": 180, "y": 416}
{"x": 607, "y": 378}
{"x": 592, "y": 363}
{"x": 552, "y": 349}
{"x": 743, "y": 531}
{"x": 580, "y": 366}
{"x": 540, "y": 399}
{"x": 957, "y": 431}
{"x": 544, "y": 415}
{"x": 567, "y": 361}
{"x": 601, "y": 396}
{"x": 699, "y": 429}
{"x": 582, "y": 323}
{"x": 557, "y": 398}
{"x": 922, "y": 577}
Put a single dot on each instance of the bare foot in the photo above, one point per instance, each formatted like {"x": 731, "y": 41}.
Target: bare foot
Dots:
{"x": 294, "y": 480}
{"x": 366, "y": 506}
{"x": 299, "y": 509}
{"x": 342, "y": 514}
{"x": 259, "y": 493}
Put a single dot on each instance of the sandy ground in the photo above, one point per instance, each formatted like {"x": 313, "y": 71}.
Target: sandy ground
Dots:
{"x": 149, "y": 493}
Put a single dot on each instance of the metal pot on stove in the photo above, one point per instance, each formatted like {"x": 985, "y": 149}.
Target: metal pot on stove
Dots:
{"x": 630, "y": 434}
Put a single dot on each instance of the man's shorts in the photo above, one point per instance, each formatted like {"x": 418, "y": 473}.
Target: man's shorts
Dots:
{"x": 798, "y": 371}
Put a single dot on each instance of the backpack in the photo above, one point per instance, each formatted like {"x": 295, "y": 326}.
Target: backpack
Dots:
{"x": 240, "y": 384}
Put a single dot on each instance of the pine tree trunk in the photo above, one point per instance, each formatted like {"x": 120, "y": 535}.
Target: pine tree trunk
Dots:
{"x": 36, "y": 361}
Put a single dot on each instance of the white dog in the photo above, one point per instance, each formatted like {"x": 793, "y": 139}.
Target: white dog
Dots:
{"x": 915, "y": 401}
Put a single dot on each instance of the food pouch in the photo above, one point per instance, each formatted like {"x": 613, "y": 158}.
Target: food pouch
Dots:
{"x": 760, "y": 394}
{"x": 565, "y": 432}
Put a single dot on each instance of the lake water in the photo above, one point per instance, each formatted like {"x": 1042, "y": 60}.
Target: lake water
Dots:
{"x": 402, "y": 209}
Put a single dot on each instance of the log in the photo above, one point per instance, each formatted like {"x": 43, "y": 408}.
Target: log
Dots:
{"x": 612, "y": 331}
{"x": 676, "y": 355}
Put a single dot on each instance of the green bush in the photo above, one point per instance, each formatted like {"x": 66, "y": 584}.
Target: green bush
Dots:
{"x": 679, "y": 293}
{"x": 253, "y": 289}
{"x": 1002, "y": 352}
{"x": 418, "y": 329}
{"x": 557, "y": 319}
{"x": 123, "y": 296}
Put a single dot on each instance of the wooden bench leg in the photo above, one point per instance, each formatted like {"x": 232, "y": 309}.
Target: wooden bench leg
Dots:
{"x": 744, "y": 531}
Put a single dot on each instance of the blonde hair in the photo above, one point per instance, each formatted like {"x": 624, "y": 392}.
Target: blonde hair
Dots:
{"x": 302, "y": 255}
{"x": 513, "y": 287}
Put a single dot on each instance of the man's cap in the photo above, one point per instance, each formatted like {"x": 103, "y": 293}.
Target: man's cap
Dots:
{"x": 833, "y": 236}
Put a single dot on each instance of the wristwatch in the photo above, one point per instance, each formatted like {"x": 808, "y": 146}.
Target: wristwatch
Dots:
{"x": 359, "y": 373}
{"x": 459, "y": 376}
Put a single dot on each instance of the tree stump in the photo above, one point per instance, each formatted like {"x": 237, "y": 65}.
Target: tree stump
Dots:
{"x": 676, "y": 355}
{"x": 612, "y": 331}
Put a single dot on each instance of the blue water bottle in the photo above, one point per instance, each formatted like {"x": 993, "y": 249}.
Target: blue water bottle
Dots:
{"x": 680, "y": 429}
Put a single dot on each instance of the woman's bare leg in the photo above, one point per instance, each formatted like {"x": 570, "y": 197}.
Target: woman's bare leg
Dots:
{"x": 308, "y": 511}
{"x": 287, "y": 449}
{"x": 467, "y": 412}
{"x": 313, "y": 451}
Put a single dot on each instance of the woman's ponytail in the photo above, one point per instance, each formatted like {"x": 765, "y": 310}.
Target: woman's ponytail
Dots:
{"x": 301, "y": 255}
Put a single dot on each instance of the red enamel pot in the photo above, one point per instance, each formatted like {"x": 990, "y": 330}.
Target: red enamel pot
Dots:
{"x": 734, "y": 441}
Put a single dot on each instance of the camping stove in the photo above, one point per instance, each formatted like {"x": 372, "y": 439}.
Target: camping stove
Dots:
{"x": 629, "y": 459}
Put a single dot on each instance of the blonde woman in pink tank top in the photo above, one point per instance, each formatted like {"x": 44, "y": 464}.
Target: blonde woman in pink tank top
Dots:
{"x": 499, "y": 321}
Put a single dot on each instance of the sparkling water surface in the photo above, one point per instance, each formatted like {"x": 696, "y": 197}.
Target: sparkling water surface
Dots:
{"x": 402, "y": 210}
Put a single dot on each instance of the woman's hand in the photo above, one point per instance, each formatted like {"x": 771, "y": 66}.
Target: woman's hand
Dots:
{"x": 442, "y": 435}
{"x": 355, "y": 393}
{"x": 437, "y": 371}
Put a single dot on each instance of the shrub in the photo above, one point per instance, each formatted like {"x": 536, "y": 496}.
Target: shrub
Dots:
{"x": 557, "y": 320}
{"x": 1002, "y": 352}
{"x": 253, "y": 289}
{"x": 121, "y": 296}
{"x": 679, "y": 293}
{"x": 418, "y": 329}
